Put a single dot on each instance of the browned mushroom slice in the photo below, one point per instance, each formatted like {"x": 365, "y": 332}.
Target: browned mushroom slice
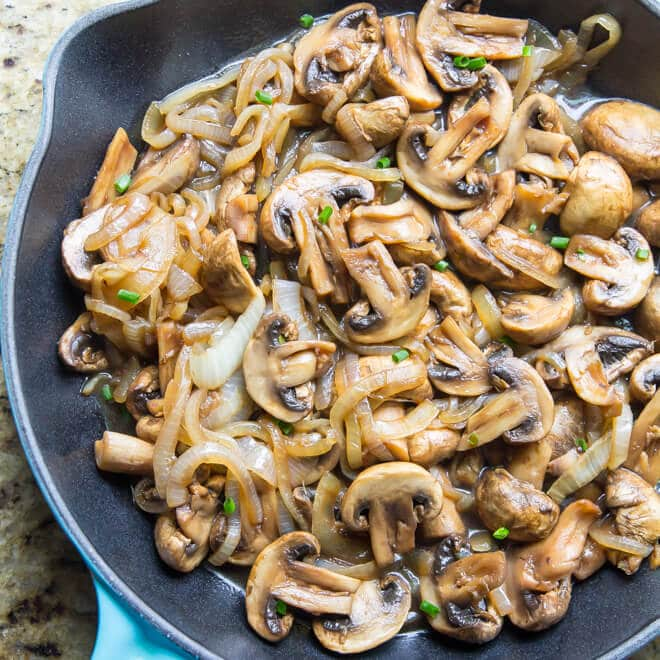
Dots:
{"x": 452, "y": 298}
{"x": 504, "y": 501}
{"x": 538, "y": 580}
{"x": 620, "y": 270}
{"x": 119, "y": 160}
{"x": 195, "y": 518}
{"x": 80, "y": 349}
{"x": 389, "y": 500}
{"x": 600, "y": 197}
{"x": 567, "y": 426}
{"x": 144, "y": 388}
{"x": 647, "y": 316}
{"x": 396, "y": 299}
{"x": 77, "y": 262}
{"x": 398, "y": 69}
{"x": 529, "y": 462}
{"x": 636, "y": 508}
{"x": 442, "y": 33}
{"x": 224, "y": 277}
{"x": 645, "y": 378}
{"x": 234, "y": 208}
{"x": 167, "y": 170}
{"x": 176, "y": 549}
{"x": 459, "y": 368}
{"x": 369, "y": 126}
{"x": 434, "y": 444}
{"x": 648, "y": 223}
{"x": 333, "y": 59}
{"x": 523, "y": 412}
{"x": 533, "y": 319}
{"x": 535, "y": 142}
{"x": 279, "y": 370}
{"x": 644, "y": 447}
{"x": 534, "y": 202}
{"x": 629, "y": 132}
{"x": 459, "y": 585}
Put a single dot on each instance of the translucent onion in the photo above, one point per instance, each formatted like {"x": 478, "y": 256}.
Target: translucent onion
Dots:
{"x": 500, "y": 601}
{"x": 128, "y": 374}
{"x": 526, "y": 267}
{"x": 488, "y": 311}
{"x": 364, "y": 571}
{"x": 235, "y": 403}
{"x": 233, "y": 526}
{"x": 198, "y": 331}
{"x": 621, "y": 431}
{"x": 456, "y": 412}
{"x": 240, "y": 429}
{"x": 526, "y": 76}
{"x": 608, "y": 539}
{"x": 285, "y": 522}
{"x": 258, "y": 458}
{"x": 94, "y": 383}
{"x": 154, "y": 131}
{"x": 99, "y": 307}
{"x": 120, "y": 217}
{"x": 315, "y": 161}
{"x": 180, "y": 285}
{"x": 288, "y": 300}
{"x": 584, "y": 470}
{"x": 585, "y": 34}
{"x": 313, "y": 443}
{"x": 413, "y": 422}
{"x": 211, "y": 367}
{"x": 179, "y": 121}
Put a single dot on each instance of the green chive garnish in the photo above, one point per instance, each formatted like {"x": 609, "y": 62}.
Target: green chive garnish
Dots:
{"x": 527, "y": 51}
{"x": 128, "y": 296}
{"x": 559, "y": 242}
{"x": 285, "y": 427}
{"x": 400, "y": 355}
{"x": 473, "y": 439}
{"x": 581, "y": 444}
{"x": 580, "y": 254}
{"x": 442, "y": 265}
{"x": 429, "y": 608}
{"x": 263, "y": 97}
{"x": 500, "y": 533}
{"x": 106, "y": 392}
{"x": 532, "y": 228}
{"x": 642, "y": 254}
{"x": 325, "y": 214}
{"x": 229, "y": 506}
{"x": 461, "y": 61}
{"x": 122, "y": 183}
{"x": 281, "y": 340}
{"x": 505, "y": 339}
{"x": 245, "y": 261}
{"x": 306, "y": 21}
{"x": 477, "y": 63}
{"x": 280, "y": 608}
{"x": 383, "y": 162}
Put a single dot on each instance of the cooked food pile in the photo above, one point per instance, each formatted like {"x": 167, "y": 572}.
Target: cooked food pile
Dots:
{"x": 383, "y": 315}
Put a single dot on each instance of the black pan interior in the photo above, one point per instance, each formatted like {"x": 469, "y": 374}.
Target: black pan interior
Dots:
{"x": 109, "y": 72}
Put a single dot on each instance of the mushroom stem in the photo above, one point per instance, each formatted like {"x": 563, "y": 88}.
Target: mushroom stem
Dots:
{"x": 313, "y": 600}
{"x": 322, "y": 577}
{"x": 125, "y": 454}
{"x": 387, "y": 538}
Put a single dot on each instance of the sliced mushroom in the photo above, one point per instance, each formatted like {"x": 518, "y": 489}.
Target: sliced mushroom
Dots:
{"x": 599, "y": 197}
{"x": 144, "y": 388}
{"x": 442, "y": 33}
{"x": 398, "y": 69}
{"x": 459, "y": 584}
{"x": 80, "y": 349}
{"x": 648, "y": 223}
{"x": 224, "y": 277}
{"x": 389, "y": 500}
{"x": 523, "y": 412}
{"x": 196, "y": 516}
{"x": 628, "y": 131}
{"x": 369, "y": 126}
{"x": 333, "y": 60}
{"x": 234, "y": 208}
{"x": 279, "y": 369}
{"x": 533, "y": 319}
{"x": 396, "y": 299}
{"x": 504, "y": 501}
{"x": 620, "y": 270}
{"x": 534, "y": 202}
{"x": 567, "y": 427}
{"x": 592, "y": 559}
{"x": 459, "y": 368}
{"x": 167, "y": 170}
{"x": 636, "y": 507}
{"x": 452, "y": 298}
{"x": 644, "y": 448}
{"x": 645, "y": 378}
{"x": 378, "y": 611}
{"x": 176, "y": 549}
{"x": 77, "y": 262}
{"x": 535, "y": 142}
{"x": 647, "y": 316}
{"x": 434, "y": 444}
{"x": 538, "y": 580}
{"x": 529, "y": 462}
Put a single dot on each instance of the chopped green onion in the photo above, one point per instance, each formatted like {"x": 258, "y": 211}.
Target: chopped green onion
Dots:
{"x": 477, "y": 63}
{"x": 642, "y": 254}
{"x": 229, "y": 506}
{"x": 580, "y": 253}
{"x": 400, "y": 355}
{"x": 527, "y": 51}
{"x": 122, "y": 183}
{"x": 281, "y": 340}
{"x": 500, "y": 533}
{"x": 383, "y": 162}
{"x": 285, "y": 427}
{"x": 306, "y": 21}
{"x": 245, "y": 261}
{"x": 280, "y": 608}
{"x": 429, "y": 608}
{"x": 442, "y": 265}
{"x": 473, "y": 439}
{"x": 532, "y": 228}
{"x": 106, "y": 392}
{"x": 461, "y": 61}
{"x": 505, "y": 339}
{"x": 325, "y": 214}
{"x": 128, "y": 296}
{"x": 581, "y": 444}
{"x": 559, "y": 242}
{"x": 263, "y": 97}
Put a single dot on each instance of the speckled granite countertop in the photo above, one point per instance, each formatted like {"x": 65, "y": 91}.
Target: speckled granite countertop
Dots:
{"x": 47, "y": 603}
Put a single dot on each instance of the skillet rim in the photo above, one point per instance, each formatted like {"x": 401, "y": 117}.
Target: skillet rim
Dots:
{"x": 100, "y": 569}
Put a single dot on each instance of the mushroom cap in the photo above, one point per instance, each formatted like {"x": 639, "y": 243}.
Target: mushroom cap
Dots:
{"x": 452, "y": 298}
{"x": 80, "y": 349}
{"x": 504, "y": 501}
{"x": 379, "y": 610}
{"x": 568, "y": 424}
{"x": 628, "y": 131}
{"x": 645, "y": 378}
{"x": 600, "y": 197}
{"x": 648, "y": 223}
{"x": 77, "y": 262}
{"x": 647, "y": 316}
{"x": 175, "y": 548}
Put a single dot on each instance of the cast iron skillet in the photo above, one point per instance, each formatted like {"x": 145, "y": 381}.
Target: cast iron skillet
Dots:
{"x": 101, "y": 75}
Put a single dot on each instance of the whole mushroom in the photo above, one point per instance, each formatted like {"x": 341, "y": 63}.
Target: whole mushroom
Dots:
{"x": 648, "y": 223}
{"x": 647, "y": 316}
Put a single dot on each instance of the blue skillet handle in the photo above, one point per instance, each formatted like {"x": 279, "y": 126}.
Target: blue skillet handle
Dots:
{"x": 122, "y": 635}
